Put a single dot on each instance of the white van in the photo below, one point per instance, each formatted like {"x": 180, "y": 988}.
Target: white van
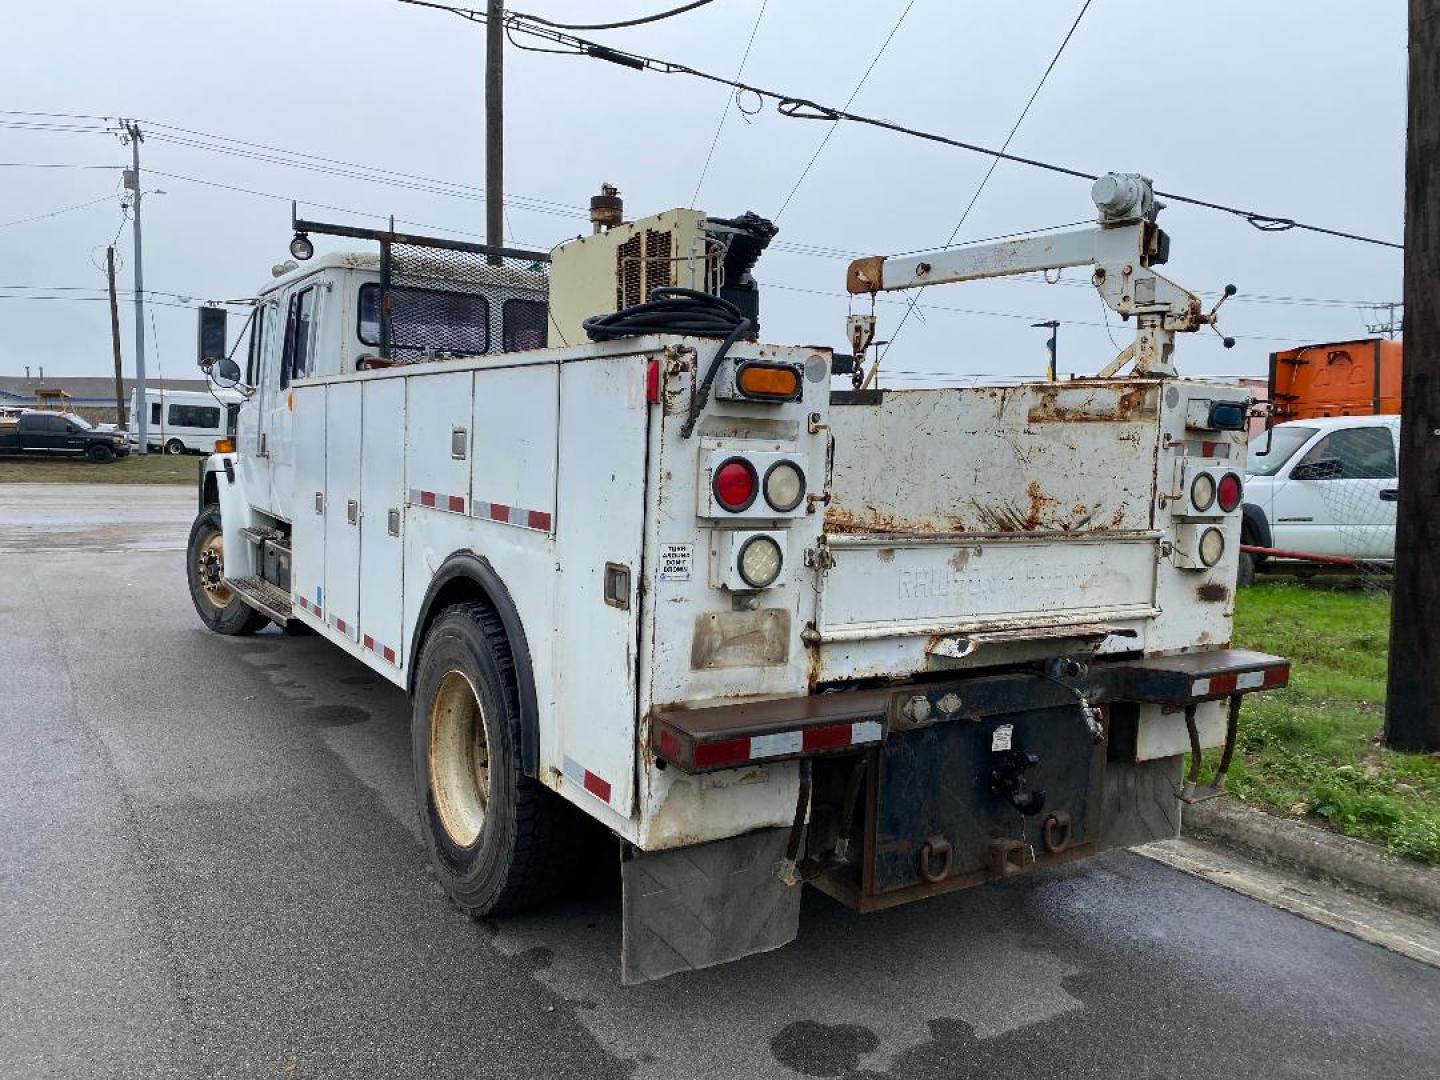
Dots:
{"x": 181, "y": 420}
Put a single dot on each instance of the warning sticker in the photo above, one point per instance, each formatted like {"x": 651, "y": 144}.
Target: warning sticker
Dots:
{"x": 1001, "y": 737}
{"x": 676, "y": 561}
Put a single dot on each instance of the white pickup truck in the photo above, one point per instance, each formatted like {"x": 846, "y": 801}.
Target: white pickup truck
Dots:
{"x": 1326, "y": 486}
{"x": 660, "y": 574}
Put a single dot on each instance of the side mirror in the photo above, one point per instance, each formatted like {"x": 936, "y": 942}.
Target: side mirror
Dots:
{"x": 226, "y": 373}
{"x": 210, "y": 341}
{"x": 1324, "y": 469}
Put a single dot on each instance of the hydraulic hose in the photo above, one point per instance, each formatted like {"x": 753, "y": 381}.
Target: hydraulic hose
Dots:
{"x": 673, "y": 310}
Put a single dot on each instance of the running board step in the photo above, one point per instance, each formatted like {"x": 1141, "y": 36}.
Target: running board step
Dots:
{"x": 258, "y": 534}
{"x": 263, "y": 596}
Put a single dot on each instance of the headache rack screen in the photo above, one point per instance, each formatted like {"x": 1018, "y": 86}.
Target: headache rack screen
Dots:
{"x": 435, "y": 302}
{"x": 440, "y": 298}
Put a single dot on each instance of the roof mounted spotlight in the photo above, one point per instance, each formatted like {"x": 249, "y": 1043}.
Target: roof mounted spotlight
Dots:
{"x": 301, "y": 247}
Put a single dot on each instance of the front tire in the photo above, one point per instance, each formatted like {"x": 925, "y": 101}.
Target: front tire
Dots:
{"x": 100, "y": 454}
{"x": 174, "y": 446}
{"x": 217, "y": 605}
{"x": 500, "y": 841}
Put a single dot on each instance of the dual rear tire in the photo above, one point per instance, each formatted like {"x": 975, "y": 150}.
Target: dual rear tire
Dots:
{"x": 500, "y": 841}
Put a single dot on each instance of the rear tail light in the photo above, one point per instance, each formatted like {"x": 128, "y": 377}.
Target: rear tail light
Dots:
{"x": 652, "y": 382}
{"x": 1230, "y": 491}
{"x": 1212, "y": 546}
{"x": 1202, "y": 492}
{"x": 768, "y": 382}
{"x": 735, "y": 484}
{"x": 784, "y": 486}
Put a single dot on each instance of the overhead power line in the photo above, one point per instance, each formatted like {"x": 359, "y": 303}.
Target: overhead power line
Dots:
{"x": 985, "y": 179}
{"x": 724, "y": 112}
{"x": 640, "y": 21}
{"x": 802, "y": 108}
{"x": 57, "y": 213}
{"x": 853, "y": 93}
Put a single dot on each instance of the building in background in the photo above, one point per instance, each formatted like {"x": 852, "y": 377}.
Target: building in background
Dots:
{"x": 92, "y": 397}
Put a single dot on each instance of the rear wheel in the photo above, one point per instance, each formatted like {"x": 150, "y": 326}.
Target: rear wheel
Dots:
{"x": 500, "y": 841}
{"x": 174, "y": 446}
{"x": 100, "y": 453}
{"x": 215, "y": 602}
{"x": 1245, "y": 574}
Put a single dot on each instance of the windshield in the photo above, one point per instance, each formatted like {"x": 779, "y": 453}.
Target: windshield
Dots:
{"x": 80, "y": 422}
{"x": 1282, "y": 442}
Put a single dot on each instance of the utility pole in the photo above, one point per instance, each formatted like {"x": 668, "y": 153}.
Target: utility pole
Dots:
{"x": 132, "y": 181}
{"x": 115, "y": 336}
{"x": 495, "y": 126}
{"x": 1052, "y": 345}
{"x": 1412, "y": 704}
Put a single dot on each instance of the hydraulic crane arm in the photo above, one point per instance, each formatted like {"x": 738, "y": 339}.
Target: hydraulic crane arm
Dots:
{"x": 1123, "y": 248}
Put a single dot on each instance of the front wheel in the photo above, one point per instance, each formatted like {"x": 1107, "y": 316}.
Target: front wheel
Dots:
{"x": 174, "y": 446}
{"x": 100, "y": 453}
{"x": 500, "y": 841}
{"x": 215, "y": 602}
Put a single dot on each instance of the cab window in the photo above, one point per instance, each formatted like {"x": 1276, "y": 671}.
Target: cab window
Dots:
{"x": 299, "y": 336}
{"x": 427, "y": 320}
{"x": 1360, "y": 453}
{"x": 523, "y": 325}
{"x": 257, "y": 337}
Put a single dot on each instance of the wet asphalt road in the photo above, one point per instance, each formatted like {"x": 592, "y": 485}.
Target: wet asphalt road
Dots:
{"x": 210, "y": 867}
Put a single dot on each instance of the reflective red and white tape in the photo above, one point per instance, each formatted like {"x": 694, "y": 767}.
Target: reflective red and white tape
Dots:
{"x": 454, "y": 504}
{"x": 577, "y": 773}
{"x": 1231, "y": 683}
{"x": 384, "y": 651}
{"x": 539, "y": 520}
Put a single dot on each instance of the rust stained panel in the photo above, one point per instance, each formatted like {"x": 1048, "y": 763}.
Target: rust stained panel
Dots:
{"x": 1038, "y": 458}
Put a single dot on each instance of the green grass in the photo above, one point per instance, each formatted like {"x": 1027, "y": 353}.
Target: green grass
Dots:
{"x": 1314, "y": 749}
{"x": 150, "y": 469}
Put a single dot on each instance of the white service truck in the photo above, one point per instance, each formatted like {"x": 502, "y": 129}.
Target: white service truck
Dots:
{"x": 660, "y": 574}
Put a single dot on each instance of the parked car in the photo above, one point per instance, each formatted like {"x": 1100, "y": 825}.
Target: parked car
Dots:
{"x": 1325, "y": 486}
{"x": 60, "y": 435}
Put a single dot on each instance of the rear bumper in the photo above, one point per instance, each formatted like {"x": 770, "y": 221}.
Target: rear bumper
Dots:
{"x": 731, "y": 736}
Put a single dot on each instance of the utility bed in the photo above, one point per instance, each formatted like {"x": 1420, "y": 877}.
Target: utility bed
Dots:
{"x": 967, "y": 524}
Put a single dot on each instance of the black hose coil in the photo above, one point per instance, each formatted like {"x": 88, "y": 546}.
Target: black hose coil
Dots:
{"x": 673, "y": 310}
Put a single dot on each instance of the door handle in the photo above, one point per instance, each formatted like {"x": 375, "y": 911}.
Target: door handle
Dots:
{"x": 352, "y": 511}
{"x": 1390, "y": 495}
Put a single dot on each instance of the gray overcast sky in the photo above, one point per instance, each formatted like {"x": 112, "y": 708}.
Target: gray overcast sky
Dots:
{"x": 1295, "y": 109}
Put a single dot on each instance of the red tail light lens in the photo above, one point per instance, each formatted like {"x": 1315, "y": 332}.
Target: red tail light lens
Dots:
{"x": 735, "y": 485}
{"x": 1230, "y": 491}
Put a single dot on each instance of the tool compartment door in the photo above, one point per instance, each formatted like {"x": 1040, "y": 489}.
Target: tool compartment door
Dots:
{"x": 382, "y": 520}
{"x": 307, "y": 536}
{"x": 343, "y": 440}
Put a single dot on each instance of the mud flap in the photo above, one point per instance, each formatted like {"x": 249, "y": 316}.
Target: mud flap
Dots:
{"x": 699, "y": 906}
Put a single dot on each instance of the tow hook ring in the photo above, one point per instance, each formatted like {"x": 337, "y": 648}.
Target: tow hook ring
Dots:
{"x": 936, "y": 847}
{"x": 1057, "y": 832}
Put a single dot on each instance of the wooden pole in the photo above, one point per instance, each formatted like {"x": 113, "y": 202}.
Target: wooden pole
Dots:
{"x": 495, "y": 126}
{"x": 115, "y": 337}
{"x": 1412, "y": 706}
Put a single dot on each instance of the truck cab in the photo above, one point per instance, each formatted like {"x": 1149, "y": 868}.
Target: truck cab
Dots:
{"x": 324, "y": 318}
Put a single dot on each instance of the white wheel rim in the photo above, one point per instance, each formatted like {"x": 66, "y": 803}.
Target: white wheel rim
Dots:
{"x": 459, "y": 759}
